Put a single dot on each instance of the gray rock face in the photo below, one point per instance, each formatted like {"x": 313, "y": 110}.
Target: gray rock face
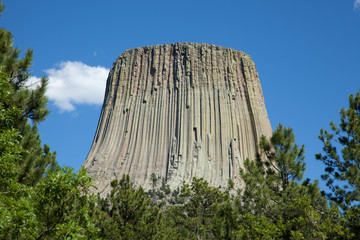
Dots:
{"x": 180, "y": 111}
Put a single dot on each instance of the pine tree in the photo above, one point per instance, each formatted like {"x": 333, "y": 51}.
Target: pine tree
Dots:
{"x": 33, "y": 206}
{"x": 10, "y": 152}
{"x": 32, "y": 105}
{"x": 194, "y": 218}
{"x": 35, "y": 161}
{"x": 57, "y": 207}
{"x": 127, "y": 213}
{"x": 273, "y": 189}
{"x": 343, "y": 168}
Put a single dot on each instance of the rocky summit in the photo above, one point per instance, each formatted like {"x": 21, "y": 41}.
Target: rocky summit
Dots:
{"x": 178, "y": 111}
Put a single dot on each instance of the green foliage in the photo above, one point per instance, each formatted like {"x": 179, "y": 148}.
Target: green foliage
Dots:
{"x": 38, "y": 200}
{"x": 161, "y": 193}
{"x": 30, "y": 99}
{"x": 193, "y": 219}
{"x": 35, "y": 161}
{"x": 284, "y": 158}
{"x": 351, "y": 220}
{"x": 62, "y": 205}
{"x": 23, "y": 103}
{"x": 127, "y": 213}
{"x": 56, "y": 208}
{"x": 257, "y": 227}
{"x": 272, "y": 189}
{"x": 9, "y": 153}
{"x": 2, "y": 8}
{"x": 9, "y": 144}
{"x": 343, "y": 168}
{"x": 230, "y": 221}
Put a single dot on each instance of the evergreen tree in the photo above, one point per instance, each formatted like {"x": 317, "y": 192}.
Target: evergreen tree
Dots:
{"x": 55, "y": 208}
{"x": 10, "y": 152}
{"x": 273, "y": 190}
{"x": 33, "y": 206}
{"x": 127, "y": 213}
{"x": 193, "y": 219}
{"x": 31, "y": 103}
{"x": 343, "y": 168}
{"x": 35, "y": 161}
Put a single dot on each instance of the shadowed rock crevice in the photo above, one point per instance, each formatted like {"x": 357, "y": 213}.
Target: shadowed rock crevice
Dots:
{"x": 180, "y": 111}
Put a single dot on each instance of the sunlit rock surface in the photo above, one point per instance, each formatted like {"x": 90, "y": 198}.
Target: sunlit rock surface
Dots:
{"x": 180, "y": 111}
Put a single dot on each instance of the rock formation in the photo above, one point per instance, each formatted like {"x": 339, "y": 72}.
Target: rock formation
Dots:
{"x": 180, "y": 111}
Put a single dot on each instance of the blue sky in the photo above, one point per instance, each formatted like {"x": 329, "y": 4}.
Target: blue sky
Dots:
{"x": 307, "y": 54}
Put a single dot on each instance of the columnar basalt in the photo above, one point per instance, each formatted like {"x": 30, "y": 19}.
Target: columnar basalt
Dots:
{"x": 180, "y": 111}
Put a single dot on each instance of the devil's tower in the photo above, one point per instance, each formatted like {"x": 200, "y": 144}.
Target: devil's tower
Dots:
{"x": 180, "y": 111}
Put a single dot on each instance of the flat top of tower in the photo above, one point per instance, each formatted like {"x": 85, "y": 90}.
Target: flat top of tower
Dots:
{"x": 184, "y": 45}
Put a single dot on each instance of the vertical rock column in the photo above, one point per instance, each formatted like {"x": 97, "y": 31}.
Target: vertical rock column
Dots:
{"x": 180, "y": 111}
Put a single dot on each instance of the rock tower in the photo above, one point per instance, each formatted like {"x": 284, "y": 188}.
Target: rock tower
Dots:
{"x": 179, "y": 111}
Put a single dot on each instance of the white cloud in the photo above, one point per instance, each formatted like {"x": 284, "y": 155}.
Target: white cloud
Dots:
{"x": 357, "y": 4}
{"x": 72, "y": 83}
